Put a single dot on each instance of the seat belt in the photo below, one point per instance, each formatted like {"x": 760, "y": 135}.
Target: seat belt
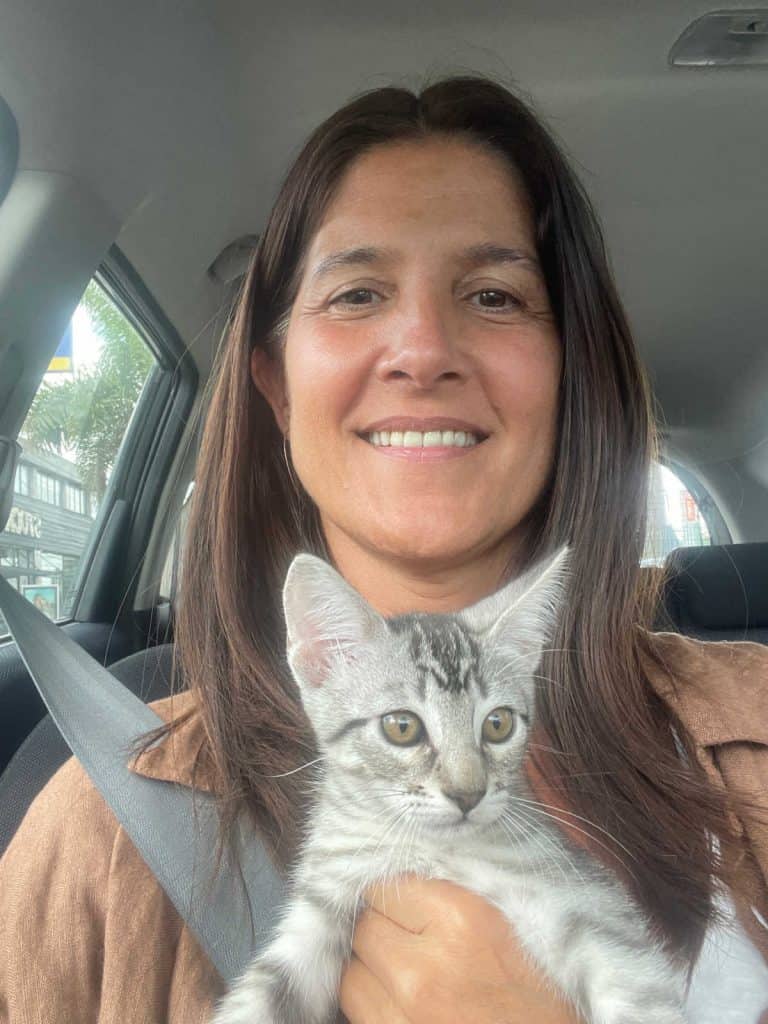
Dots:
{"x": 173, "y": 827}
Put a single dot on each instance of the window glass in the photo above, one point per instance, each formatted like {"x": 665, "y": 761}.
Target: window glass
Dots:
{"x": 70, "y": 440}
{"x": 21, "y": 486}
{"x": 74, "y": 498}
{"x": 675, "y": 518}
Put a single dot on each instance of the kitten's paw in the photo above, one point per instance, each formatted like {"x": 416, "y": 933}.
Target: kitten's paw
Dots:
{"x": 241, "y": 1007}
{"x": 664, "y": 1016}
{"x": 259, "y": 998}
{"x": 648, "y": 1011}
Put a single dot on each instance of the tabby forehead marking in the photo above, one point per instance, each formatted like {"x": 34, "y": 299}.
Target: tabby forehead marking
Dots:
{"x": 441, "y": 648}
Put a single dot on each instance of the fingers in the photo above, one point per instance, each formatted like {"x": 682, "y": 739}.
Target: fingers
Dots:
{"x": 405, "y": 901}
{"x": 414, "y": 970}
{"x": 364, "y": 1000}
{"x": 389, "y": 952}
{"x": 437, "y": 908}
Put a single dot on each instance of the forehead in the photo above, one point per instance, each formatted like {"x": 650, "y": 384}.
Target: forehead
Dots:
{"x": 442, "y": 652}
{"x": 431, "y": 195}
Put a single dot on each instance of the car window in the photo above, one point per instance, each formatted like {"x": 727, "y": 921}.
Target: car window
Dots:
{"x": 676, "y": 518}
{"x": 70, "y": 439}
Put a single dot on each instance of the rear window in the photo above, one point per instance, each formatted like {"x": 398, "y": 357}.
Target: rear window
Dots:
{"x": 677, "y": 517}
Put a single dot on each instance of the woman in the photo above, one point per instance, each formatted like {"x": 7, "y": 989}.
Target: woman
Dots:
{"x": 431, "y": 265}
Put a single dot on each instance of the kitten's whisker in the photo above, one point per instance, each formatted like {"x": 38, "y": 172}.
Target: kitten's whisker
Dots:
{"x": 398, "y": 818}
{"x": 411, "y": 836}
{"x": 281, "y": 775}
{"x": 537, "y": 838}
{"x": 550, "y": 750}
{"x": 368, "y": 839}
{"x": 593, "y": 838}
{"x": 572, "y": 814}
{"x": 580, "y": 775}
{"x": 409, "y": 841}
{"x": 562, "y": 851}
{"x": 512, "y": 827}
{"x": 545, "y": 866}
{"x": 547, "y": 679}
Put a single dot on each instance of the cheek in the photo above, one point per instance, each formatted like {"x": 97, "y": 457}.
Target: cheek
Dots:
{"x": 524, "y": 389}
{"x": 324, "y": 379}
{"x": 525, "y": 380}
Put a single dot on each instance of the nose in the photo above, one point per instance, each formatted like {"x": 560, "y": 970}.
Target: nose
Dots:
{"x": 464, "y": 798}
{"x": 423, "y": 348}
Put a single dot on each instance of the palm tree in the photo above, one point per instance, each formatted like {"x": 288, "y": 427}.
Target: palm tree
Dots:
{"x": 90, "y": 412}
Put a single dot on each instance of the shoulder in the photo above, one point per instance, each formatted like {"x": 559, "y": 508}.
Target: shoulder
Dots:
{"x": 69, "y": 819}
{"x": 69, "y": 838}
{"x": 52, "y": 912}
{"x": 67, "y": 814}
{"x": 719, "y": 688}
{"x": 66, "y": 880}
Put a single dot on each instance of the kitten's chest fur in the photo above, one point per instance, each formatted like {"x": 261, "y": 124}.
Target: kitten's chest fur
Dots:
{"x": 341, "y": 858}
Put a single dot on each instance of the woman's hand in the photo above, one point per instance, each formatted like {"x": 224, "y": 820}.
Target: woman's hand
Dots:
{"x": 430, "y": 952}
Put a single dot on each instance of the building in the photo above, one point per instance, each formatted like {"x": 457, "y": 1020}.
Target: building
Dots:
{"x": 47, "y": 530}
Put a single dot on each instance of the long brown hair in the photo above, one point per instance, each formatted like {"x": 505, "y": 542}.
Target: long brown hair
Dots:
{"x": 613, "y": 754}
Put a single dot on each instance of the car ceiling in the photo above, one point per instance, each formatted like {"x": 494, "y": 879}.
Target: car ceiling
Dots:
{"x": 183, "y": 117}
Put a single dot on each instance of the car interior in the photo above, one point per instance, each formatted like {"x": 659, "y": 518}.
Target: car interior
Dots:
{"x": 141, "y": 148}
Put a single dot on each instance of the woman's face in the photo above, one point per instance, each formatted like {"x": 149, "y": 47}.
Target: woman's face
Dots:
{"x": 422, "y": 316}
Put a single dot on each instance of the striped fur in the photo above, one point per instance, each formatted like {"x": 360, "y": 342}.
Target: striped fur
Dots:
{"x": 453, "y": 806}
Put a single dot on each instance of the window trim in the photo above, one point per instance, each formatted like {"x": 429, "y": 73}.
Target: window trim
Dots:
{"x": 146, "y": 453}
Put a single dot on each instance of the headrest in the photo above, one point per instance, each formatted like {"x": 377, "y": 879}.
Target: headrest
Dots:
{"x": 719, "y": 588}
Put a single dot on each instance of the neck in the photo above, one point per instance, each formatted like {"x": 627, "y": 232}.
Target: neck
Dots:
{"x": 395, "y": 586}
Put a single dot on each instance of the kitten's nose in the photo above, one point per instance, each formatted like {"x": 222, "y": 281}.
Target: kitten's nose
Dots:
{"x": 466, "y": 799}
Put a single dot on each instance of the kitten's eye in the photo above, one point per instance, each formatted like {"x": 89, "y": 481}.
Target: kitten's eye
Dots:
{"x": 402, "y": 727}
{"x": 498, "y": 725}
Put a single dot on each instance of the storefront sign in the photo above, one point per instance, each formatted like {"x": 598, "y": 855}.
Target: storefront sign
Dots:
{"x": 26, "y": 524}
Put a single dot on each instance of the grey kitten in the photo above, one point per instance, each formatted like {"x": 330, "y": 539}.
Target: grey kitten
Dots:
{"x": 422, "y": 723}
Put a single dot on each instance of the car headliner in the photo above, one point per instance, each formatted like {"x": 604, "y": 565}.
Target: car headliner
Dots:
{"x": 183, "y": 117}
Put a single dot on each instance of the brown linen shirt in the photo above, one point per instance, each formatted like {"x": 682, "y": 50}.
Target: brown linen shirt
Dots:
{"x": 87, "y": 936}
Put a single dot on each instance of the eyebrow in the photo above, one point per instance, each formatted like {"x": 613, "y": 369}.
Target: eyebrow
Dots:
{"x": 485, "y": 254}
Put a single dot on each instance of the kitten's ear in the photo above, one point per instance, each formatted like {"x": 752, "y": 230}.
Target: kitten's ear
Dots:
{"x": 327, "y": 620}
{"x": 522, "y": 615}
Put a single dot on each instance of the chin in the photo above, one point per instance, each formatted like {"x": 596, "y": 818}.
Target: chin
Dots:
{"x": 434, "y": 541}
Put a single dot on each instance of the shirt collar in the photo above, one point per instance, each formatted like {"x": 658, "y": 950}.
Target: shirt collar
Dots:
{"x": 719, "y": 689}
{"x": 180, "y": 757}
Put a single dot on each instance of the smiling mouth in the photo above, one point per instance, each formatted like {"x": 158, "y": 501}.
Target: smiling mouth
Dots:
{"x": 423, "y": 439}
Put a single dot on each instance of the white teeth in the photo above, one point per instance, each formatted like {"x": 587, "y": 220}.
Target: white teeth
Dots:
{"x": 417, "y": 439}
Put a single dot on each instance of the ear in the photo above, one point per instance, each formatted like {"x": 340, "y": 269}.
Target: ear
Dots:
{"x": 328, "y": 621}
{"x": 521, "y": 617}
{"x": 269, "y": 377}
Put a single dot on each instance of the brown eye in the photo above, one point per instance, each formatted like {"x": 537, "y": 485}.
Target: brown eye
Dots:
{"x": 402, "y": 727}
{"x": 498, "y": 725}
